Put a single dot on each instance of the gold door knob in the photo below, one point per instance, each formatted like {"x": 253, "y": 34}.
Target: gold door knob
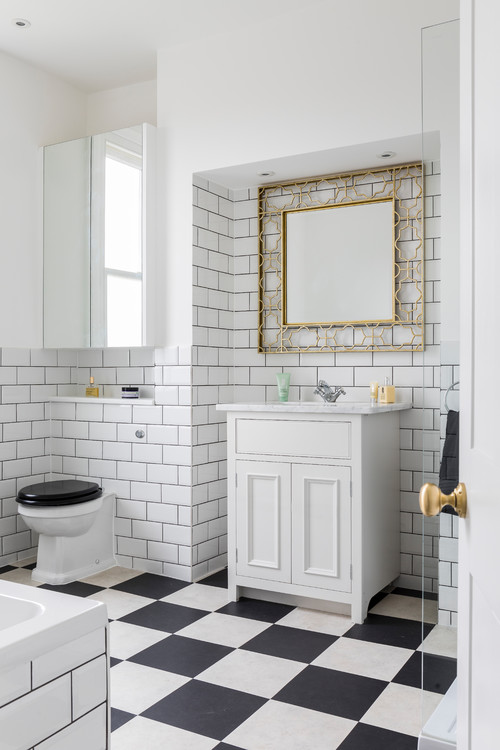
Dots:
{"x": 432, "y": 499}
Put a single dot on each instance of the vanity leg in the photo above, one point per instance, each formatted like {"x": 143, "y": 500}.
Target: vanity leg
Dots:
{"x": 359, "y": 611}
{"x": 232, "y": 588}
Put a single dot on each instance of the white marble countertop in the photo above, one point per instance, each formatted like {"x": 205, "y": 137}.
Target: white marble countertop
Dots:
{"x": 304, "y": 407}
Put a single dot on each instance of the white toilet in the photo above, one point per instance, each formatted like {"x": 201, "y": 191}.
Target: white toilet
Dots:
{"x": 75, "y": 523}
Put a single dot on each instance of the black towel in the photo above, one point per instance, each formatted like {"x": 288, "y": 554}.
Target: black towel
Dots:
{"x": 448, "y": 472}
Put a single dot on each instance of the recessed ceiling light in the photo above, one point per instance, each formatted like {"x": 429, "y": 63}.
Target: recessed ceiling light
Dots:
{"x": 21, "y": 23}
{"x": 269, "y": 173}
{"x": 386, "y": 155}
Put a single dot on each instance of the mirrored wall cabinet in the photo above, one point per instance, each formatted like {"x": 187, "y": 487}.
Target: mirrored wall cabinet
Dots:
{"x": 99, "y": 240}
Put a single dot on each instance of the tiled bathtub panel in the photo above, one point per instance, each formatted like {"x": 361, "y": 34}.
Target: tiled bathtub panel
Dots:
{"x": 49, "y": 707}
{"x": 54, "y": 708}
{"x": 87, "y": 732}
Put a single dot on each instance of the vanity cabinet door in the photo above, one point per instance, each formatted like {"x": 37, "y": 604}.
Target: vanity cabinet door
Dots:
{"x": 263, "y": 520}
{"x": 321, "y": 526}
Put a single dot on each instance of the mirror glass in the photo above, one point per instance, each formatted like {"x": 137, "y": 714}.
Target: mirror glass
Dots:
{"x": 94, "y": 248}
{"x": 331, "y": 250}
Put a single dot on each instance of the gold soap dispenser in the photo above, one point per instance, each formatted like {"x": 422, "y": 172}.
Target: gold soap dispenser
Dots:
{"x": 386, "y": 393}
{"x": 92, "y": 390}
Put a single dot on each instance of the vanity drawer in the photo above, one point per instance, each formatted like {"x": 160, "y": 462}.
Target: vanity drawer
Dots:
{"x": 293, "y": 438}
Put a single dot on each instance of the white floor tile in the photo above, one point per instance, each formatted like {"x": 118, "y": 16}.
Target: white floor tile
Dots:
{"x": 280, "y": 726}
{"x": 113, "y": 576}
{"x": 26, "y": 561}
{"x": 224, "y": 629}
{"x": 126, "y": 639}
{"x": 254, "y": 673}
{"x": 442, "y": 640}
{"x": 153, "y": 735}
{"x": 363, "y": 658}
{"x": 20, "y": 575}
{"x": 408, "y": 607}
{"x": 400, "y": 708}
{"x": 321, "y": 622}
{"x": 135, "y": 687}
{"x": 199, "y": 596}
{"x": 119, "y": 603}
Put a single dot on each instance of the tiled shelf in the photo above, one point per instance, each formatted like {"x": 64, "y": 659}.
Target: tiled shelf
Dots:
{"x": 92, "y": 399}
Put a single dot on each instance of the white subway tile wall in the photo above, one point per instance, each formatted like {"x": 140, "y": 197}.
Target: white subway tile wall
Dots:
{"x": 212, "y": 368}
{"x": 171, "y": 483}
{"x": 100, "y": 442}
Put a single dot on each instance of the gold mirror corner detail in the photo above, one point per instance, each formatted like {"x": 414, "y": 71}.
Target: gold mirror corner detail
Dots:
{"x": 403, "y": 331}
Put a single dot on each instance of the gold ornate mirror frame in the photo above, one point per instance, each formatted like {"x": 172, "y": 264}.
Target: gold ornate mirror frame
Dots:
{"x": 404, "y": 186}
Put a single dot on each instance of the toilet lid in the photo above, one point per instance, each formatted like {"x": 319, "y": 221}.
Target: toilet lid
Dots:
{"x": 59, "y": 492}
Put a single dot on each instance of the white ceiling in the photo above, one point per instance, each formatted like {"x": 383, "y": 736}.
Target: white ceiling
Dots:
{"x": 406, "y": 149}
{"x": 102, "y": 44}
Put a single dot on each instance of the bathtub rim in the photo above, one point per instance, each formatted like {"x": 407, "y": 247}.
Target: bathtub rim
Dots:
{"x": 64, "y": 619}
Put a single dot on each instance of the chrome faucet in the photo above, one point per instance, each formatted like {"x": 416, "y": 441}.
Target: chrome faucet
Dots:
{"x": 326, "y": 393}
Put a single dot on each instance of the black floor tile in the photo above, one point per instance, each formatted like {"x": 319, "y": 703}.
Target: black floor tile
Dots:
{"x": 76, "y": 588}
{"x": 217, "y": 579}
{"x": 290, "y": 643}
{"x": 366, "y": 737}
{"x": 391, "y": 631}
{"x": 29, "y": 567}
{"x": 113, "y": 661}
{"x": 6, "y": 569}
{"x": 255, "y": 609}
{"x": 223, "y": 746}
{"x": 180, "y": 655}
{"x": 206, "y": 709}
{"x": 151, "y": 585}
{"x": 332, "y": 692}
{"x": 439, "y": 672}
{"x": 164, "y": 616}
{"x": 118, "y": 718}
{"x": 377, "y": 598}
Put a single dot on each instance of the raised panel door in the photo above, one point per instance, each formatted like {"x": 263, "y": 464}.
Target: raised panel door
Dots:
{"x": 263, "y": 520}
{"x": 321, "y": 526}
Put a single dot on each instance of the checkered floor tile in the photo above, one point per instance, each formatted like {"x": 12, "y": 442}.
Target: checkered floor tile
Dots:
{"x": 190, "y": 670}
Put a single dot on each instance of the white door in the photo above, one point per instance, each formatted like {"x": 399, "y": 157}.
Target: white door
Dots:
{"x": 479, "y": 556}
{"x": 321, "y": 526}
{"x": 263, "y": 520}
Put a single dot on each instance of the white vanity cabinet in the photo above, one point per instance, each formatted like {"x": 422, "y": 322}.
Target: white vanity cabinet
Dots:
{"x": 313, "y": 503}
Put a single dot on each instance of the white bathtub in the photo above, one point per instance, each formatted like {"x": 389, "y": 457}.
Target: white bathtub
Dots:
{"x": 14, "y": 611}
{"x": 440, "y": 731}
{"x": 53, "y": 670}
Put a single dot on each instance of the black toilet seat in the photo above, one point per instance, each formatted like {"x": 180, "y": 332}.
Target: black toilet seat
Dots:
{"x": 59, "y": 492}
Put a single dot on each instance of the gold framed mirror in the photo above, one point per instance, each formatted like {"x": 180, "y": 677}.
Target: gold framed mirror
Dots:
{"x": 341, "y": 262}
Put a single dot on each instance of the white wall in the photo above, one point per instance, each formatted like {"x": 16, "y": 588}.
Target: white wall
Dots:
{"x": 39, "y": 109}
{"x": 121, "y": 107}
{"x": 316, "y": 79}
{"x": 36, "y": 109}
